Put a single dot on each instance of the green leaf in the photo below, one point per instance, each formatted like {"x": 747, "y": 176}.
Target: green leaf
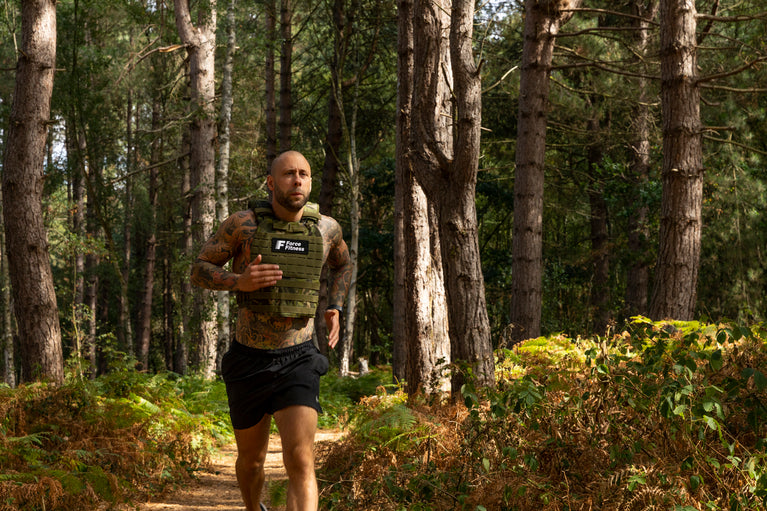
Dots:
{"x": 716, "y": 360}
{"x": 695, "y": 482}
{"x": 486, "y": 464}
{"x": 760, "y": 380}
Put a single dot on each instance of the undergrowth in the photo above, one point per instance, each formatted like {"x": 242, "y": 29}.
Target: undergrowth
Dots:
{"x": 98, "y": 444}
{"x": 93, "y": 444}
{"x": 664, "y": 416}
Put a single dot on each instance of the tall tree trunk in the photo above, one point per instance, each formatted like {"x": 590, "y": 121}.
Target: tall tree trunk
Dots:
{"x": 286, "y": 75}
{"x": 422, "y": 342}
{"x": 34, "y": 296}
{"x": 600, "y": 285}
{"x": 334, "y": 134}
{"x": 144, "y": 333}
{"x": 171, "y": 341}
{"x": 402, "y": 178}
{"x": 543, "y": 20}
{"x": 445, "y": 162}
{"x": 92, "y": 261}
{"x": 222, "y": 171}
{"x": 124, "y": 334}
{"x": 676, "y": 274}
{"x": 6, "y": 316}
{"x": 638, "y": 277}
{"x": 200, "y": 42}
{"x": 181, "y": 355}
{"x": 354, "y": 179}
{"x": 78, "y": 217}
{"x": 270, "y": 106}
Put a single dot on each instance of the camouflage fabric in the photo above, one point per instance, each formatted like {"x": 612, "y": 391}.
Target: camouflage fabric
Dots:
{"x": 297, "y": 248}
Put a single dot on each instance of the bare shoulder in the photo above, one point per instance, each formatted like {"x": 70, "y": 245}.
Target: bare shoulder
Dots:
{"x": 331, "y": 230}
{"x": 245, "y": 219}
{"x": 225, "y": 243}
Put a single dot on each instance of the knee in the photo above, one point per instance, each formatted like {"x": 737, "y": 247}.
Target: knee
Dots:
{"x": 299, "y": 459}
{"x": 250, "y": 461}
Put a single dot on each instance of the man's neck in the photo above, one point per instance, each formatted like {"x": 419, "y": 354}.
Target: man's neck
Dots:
{"x": 286, "y": 215}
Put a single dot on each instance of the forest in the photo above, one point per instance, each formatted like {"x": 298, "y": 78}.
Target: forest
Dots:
{"x": 556, "y": 213}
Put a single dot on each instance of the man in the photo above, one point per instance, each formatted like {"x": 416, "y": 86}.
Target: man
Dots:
{"x": 277, "y": 250}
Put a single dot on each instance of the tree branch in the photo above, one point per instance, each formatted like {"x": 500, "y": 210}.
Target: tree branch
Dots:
{"x": 738, "y": 144}
{"x": 735, "y": 71}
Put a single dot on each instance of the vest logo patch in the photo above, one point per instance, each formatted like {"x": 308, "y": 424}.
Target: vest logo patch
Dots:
{"x": 283, "y": 246}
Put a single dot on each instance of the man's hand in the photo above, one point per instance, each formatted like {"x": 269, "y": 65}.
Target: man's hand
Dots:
{"x": 258, "y": 276}
{"x": 334, "y": 326}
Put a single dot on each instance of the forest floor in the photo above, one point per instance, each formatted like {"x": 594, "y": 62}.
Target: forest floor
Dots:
{"x": 216, "y": 486}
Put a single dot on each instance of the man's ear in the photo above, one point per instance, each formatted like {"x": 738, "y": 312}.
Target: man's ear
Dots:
{"x": 270, "y": 182}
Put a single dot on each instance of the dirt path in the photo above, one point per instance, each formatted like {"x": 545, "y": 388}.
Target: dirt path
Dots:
{"x": 216, "y": 489}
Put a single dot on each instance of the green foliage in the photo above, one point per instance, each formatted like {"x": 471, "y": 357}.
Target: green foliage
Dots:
{"x": 665, "y": 415}
{"x": 90, "y": 443}
{"x": 339, "y": 395}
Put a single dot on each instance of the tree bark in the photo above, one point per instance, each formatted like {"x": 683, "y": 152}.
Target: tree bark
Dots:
{"x": 222, "y": 171}
{"x": 286, "y": 75}
{"x": 270, "y": 113}
{"x": 124, "y": 330}
{"x": 543, "y": 20}
{"x": 402, "y": 178}
{"x": 351, "y": 299}
{"x": 183, "y": 342}
{"x": 422, "y": 342}
{"x": 144, "y": 333}
{"x": 334, "y": 134}
{"x": 445, "y": 162}
{"x": 600, "y": 284}
{"x": 638, "y": 277}
{"x": 676, "y": 274}
{"x": 6, "y": 319}
{"x": 29, "y": 266}
{"x": 200, "y": 42}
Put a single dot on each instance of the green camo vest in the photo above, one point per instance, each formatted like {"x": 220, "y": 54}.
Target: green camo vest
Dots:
{"x": 297, "y": 248}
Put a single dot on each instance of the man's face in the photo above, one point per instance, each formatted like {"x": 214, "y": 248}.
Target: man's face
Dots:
{"x": 290, "y": 181}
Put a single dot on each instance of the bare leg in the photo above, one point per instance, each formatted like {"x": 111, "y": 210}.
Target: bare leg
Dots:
{"x": 297, "y": 425}
{"x": 252, "y": 445}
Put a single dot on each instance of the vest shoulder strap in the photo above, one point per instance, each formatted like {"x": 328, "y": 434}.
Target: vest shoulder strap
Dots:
{"x": 262, "y": 207}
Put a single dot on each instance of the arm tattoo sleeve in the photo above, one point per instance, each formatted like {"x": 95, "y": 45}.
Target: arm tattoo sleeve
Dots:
{"x": 208, "y": 270}
{"x": 340, "y": 268}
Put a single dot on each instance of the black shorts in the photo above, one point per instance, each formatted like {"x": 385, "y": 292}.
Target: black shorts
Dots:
{"x": 260, "y": 382}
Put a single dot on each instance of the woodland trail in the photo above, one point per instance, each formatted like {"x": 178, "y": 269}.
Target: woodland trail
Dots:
{"x": 216, "y": 487}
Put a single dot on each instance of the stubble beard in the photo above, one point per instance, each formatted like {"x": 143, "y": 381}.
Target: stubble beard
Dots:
{"x": 289, "y": 203}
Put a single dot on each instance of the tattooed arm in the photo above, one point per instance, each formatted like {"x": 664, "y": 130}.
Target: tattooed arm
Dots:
{"x": 339, "y": 276}
{"x": 339, "y": 265}
{"x": 232, "y": 241}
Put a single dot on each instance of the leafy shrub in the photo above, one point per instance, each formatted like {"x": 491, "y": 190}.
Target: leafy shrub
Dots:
{"x": 662, "y": 416}
{"x": 94, "y": 443}
{"x": 338, "y": 395}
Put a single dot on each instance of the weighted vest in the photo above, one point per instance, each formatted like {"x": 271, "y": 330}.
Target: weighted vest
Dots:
{"x": 297, "y": 248}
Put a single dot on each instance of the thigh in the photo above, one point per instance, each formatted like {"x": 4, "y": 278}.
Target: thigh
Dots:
{"x": 297, "y": 425}
{"x": 253, "y": 442}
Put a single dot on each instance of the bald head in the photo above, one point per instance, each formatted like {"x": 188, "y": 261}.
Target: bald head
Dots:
{"x": 288, "y": 158}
